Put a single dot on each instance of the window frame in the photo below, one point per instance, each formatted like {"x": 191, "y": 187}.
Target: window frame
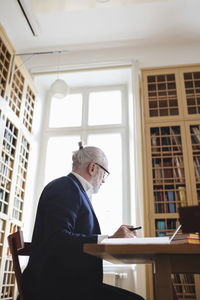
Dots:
{"x": 84, "y": 130}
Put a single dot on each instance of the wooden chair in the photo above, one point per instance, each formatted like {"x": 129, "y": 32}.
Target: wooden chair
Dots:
{"x": 17, "y": 248}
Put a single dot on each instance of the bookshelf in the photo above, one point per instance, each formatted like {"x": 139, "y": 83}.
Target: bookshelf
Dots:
{"x": 29, "y": 109}
{"x": 170, "y": 103}
{"x": 5, "y": 59}
{"x": 194, "y": 133}
{"x": 16, "y": 93}
{"x": 17, "y": 104}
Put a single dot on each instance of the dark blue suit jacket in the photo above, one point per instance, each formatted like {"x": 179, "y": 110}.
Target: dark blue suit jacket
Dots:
{"x": 58, "y": 269}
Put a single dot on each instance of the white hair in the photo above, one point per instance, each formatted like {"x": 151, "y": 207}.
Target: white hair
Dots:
{"x": 85, "y": 155}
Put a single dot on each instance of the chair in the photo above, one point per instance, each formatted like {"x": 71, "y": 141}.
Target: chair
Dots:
{"x": 17, "y": 248}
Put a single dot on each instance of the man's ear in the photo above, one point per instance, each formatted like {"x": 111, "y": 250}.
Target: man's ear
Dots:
{"x": 91, "y": 169}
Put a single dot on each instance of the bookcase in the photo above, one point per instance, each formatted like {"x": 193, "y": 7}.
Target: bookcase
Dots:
{"x": 170, "y": 103}
{"x": 17, "y": 104}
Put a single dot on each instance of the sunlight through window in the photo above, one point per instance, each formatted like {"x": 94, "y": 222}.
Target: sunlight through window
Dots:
{"x": 66, "y": 112}
{"x": 59, "y": 156}
{"x": 105, "y": 108}
{"x": 108, "y": 202}
{"x": 97, "y": 119}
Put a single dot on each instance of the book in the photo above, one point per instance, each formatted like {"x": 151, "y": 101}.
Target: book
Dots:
{"x": 161, "y": 202}
{"x": 171, "y": 204}
{"x": 161, "y": 228}
{"x": 154, "y": 142}
{"x": 168, "y": 175}
{"x": 178, "y": 169}
{"x": 186, "y": 241}
{"x": 166, "y": 143}
{"x": 157, "y": 173}
{"x": 196, "y": 166}
{"x": 176, "y": 140}
{"x": 182, "y": 195}
{"x": 181, "y": 236}
{"x": 158, "y": 203}
{"x": 196, "y": 134}
{"x": 160, "y": 225}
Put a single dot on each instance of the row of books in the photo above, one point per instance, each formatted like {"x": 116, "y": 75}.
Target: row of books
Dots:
{"x": 184, "y": 285}
{"x": 165, "y": 202}
{"x": 165, "y": 226}
{"x": 168, "y": 201}
{"x": 169, "y": 170}
{"x": 168, "y": 139}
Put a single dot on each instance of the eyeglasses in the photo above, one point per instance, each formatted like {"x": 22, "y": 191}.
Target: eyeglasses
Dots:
{"x": 106, "y": 173}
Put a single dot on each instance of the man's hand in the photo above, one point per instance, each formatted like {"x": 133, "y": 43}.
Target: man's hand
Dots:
{"x": 124, "y": 232}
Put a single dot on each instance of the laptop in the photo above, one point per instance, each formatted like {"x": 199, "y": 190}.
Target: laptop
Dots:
{"x": 190, "y": 218}
{"x": 175, "y": 233}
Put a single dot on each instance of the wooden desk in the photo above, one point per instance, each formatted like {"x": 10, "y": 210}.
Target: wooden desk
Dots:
{"x": 166, "y": 259}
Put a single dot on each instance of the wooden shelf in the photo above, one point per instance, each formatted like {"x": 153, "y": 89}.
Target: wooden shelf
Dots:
{"x": 171, "y": 106}
{"x": 16, "y": 119}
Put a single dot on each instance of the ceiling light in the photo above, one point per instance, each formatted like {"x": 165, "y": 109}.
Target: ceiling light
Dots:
{"x": 59, "y": 89}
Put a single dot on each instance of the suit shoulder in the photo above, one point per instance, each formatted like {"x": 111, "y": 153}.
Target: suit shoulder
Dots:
{"x": 61, "y": 184}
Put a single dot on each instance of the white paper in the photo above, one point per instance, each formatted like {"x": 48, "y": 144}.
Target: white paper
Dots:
{"x": 137, "y": 240}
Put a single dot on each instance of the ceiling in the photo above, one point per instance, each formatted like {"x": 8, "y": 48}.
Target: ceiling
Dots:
{"x": 123, "y": 29}
{"x": 83, "y": 25}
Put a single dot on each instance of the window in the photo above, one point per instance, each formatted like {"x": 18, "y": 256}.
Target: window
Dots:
{"x": 59, "y": 156}
{"x": 105, "y": 108}
{"x": 98, "y": 118}
{"x": 108, "y": 202}
{"x": 66, "y": 112}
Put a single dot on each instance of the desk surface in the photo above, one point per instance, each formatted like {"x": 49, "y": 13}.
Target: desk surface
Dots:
{"x": 165, "y": 258}
{"x": 132, "y": 253}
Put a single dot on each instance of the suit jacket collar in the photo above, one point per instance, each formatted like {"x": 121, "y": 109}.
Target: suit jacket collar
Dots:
{"x": 70, "y": 175}
{"x": 82, "y": 189}
{"x": 86, "y": 185}
{"x": 73, "y": 178}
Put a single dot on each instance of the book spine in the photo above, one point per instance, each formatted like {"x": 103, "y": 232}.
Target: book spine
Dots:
{"x": 176, "y": 140}
{"x": 196, "y": 167}
{"x": 196, "y": 132}
{"x": 182, "y": 195}
{"x": 160, "y": 224}
{"x": 179, "y": 171}
{"x": 171, "y": 204}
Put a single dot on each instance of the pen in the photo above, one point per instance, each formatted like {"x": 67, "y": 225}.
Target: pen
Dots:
{"x": 135, "y": 228}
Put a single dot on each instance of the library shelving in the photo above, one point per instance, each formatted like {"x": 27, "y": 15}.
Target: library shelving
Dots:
{"x": 170, "y": 104}
{"x": 5, "y": 59}
{"x": 17, "y": 104}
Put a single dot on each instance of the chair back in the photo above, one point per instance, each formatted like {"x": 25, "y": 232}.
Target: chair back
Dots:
{"x": 18, "y": 247}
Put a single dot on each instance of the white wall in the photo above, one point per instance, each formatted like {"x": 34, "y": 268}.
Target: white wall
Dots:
{"x": 148, "y": 56}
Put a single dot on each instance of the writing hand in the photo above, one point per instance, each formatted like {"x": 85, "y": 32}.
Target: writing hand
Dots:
{"x": 125, "y": 231}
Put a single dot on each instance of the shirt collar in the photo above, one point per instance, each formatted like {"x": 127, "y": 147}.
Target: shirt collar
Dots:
{"x": 86, "y": 185}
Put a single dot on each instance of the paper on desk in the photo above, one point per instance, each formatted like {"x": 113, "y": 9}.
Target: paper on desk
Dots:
{"x": 137, "y": 240}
